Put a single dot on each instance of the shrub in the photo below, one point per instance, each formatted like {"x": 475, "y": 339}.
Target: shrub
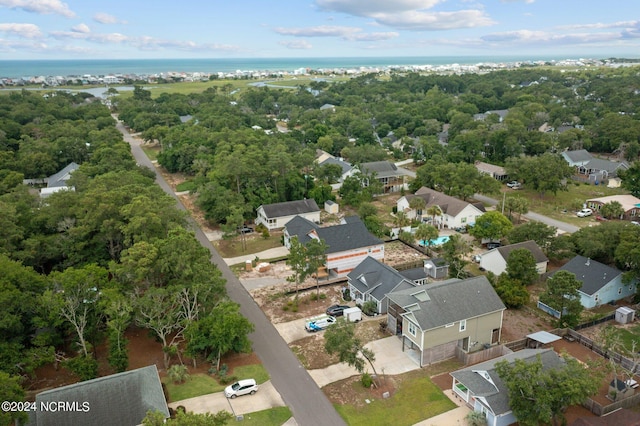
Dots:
{"x": 370, "y": 308}
{"x": 85, "y": 367}
{"x": 346, "y": 295}
{"x": 366, "y": 380}
{"x": 178, "y": 373}
{"x": 476, "y": 418}
{"x": 225, "y": 380}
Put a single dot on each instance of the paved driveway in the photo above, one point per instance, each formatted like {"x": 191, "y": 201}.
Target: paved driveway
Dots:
{"x": 292, "y": 330}
{"x": 389, "y": 360}
{"x": 266, "y": 397}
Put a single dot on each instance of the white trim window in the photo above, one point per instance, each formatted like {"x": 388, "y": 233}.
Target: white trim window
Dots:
{"x": 463, "y": 325}
{"x": 412, "y": 329}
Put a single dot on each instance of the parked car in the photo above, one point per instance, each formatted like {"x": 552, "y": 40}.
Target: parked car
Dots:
{"x": 513, "y": 183}
{"x": 601, "y": 218}
{"x": 245, "y": 230}
{"x": 584, "y": 213}
{"x": 241, "y": 387}
{"x": 461, "y": 229}
{"x": 476, "y": 258}
{"x": 493, "y": 245}
{"x": 337, "y": 310}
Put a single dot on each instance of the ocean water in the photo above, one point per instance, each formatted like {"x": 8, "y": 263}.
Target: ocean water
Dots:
{"x": 100, "y": 67}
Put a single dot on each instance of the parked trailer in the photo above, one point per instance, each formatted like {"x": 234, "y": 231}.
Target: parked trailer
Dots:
{"x": 353, "y": 314}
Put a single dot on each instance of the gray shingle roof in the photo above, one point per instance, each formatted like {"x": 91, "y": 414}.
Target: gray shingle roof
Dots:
{"x": 594, "y": 275}
{"x": 448, "y": 204}
{"x": 450, "y": 301}
{"x": 578, "y": 156}
{"x": 382, "y": 169}
{"x": 610, "y": 166}
{"x": 120, "y": 399}
{"x": 496, "y": 394}
{"x": 290, "y": 208}
{"x": 345, "y": 166}
{"x": 346, "y": 236}
{"x": 530, "y": 245}
{"x": 376, "y": 278}
{"x": 60, "y": 178}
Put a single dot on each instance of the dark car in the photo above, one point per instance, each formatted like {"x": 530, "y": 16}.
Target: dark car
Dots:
{"x": 337, "y": 310}
{"x": 245, "y": 230}
{"x": 493, "y": 245}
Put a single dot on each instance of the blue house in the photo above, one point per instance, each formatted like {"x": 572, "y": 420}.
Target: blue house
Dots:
{"x": 600, "y": 283}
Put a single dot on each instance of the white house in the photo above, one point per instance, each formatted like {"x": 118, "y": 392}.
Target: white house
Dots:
{"x": 484, "y": 391}
{"x": 496, "y": 260}
{"x": 455, "y": 212}
{"x": 276, "y": 216}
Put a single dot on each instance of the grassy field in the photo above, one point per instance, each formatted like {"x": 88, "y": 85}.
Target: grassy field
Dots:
{"x": 196, "y": 385}
{"x": 254, "y": 371}
{"x": 255, "y": 244}
{"x": 417, "y": 398}
{"x": 563, "y": 205}
{"x": 273, "y": 417}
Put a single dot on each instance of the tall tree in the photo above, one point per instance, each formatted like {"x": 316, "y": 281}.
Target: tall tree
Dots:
{"x": 492, "y": 225}
{"x": 426, "y": 233}
{"x": 521, "y": 266}
{"x": 540, "y": 395}
{"x": 340, "y": 339}
{"x": 316, "y": 258}
{"x": 562, "y": 295}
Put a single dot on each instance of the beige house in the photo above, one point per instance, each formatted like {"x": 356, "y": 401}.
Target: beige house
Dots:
{"x": 629, "y": 203}
{"x": 438, "y": 320}
{"x": 455, "y": 212}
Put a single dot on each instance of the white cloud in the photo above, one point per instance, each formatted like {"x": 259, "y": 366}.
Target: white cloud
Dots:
{"x": 527, "y": 37}
{"x": 431, "y": 21}
{"x": 411, "y": 15}
{"x": 518, "y": 1}
{"x": 21, "y": 30}
{"x": 44, "y": 7}
{"x": 296, "y": 44}
{"x": 345, "y": 33}
{"x": 105, "y": 18}
{"x": 81, "y": 28}
{"x": 600, "y": 25}
{"x": 88, "y": 36}
{"x": 365, "y": 8}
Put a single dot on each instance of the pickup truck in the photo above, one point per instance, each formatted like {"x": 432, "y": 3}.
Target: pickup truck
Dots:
{"x": 319, "y": 323}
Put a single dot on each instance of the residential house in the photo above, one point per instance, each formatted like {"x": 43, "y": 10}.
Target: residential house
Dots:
{"x": 629, "y": 203}
{"x": 372, "y": 280}
{"x": 276, "y": 216}
{"x": 496, "y": 172}
{"x": 601, "y": 283}
{"x": 437, "y": 320}
{"x": 416, "y": 275}
{"x": 58, "y": 181}
{"x": 392, "y": 177}
{"x": 595, "y": 170}
{"x": 496, "y": 260}
{"x": 119, "y": 399}
{"x": 455, "y": 212}
{"x": 347, "y": 169}
{"x": 484, "y": 391}
{"x": 349, "y": 243}
{"x": 501, "y": 113}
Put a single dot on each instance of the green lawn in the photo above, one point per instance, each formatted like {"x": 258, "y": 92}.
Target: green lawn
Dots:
{"x": 629, "y": 339}
{"x": 253, "y": 371}
{"x": 417, "y": 399}
{"x": 196, "y": 385}
{"x": 553, "y": 205}
{"x": 255, "y": 244}
{"x": 272, "y": 417}
{"x": 151, "y": 151}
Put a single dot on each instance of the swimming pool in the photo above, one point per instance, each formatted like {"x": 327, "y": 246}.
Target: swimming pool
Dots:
{"x": 436, "y": 242}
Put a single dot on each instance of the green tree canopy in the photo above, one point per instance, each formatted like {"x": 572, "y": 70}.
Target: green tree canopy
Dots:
{"x": 562, "y": 295}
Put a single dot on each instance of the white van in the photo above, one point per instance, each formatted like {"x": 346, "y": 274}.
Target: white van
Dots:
{"x": 319, "y": 323}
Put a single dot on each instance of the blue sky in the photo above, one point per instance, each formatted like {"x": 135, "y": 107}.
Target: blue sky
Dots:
{"x": 118, "y": 29}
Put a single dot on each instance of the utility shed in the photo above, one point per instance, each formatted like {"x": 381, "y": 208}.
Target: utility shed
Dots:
{"x": 625, "y": 315}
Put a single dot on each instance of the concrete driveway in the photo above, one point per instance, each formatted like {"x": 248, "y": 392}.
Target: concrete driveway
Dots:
{"x": 266, "y": 397}
{"x": 389, "y": 360}
{"x": 292, "y": 330}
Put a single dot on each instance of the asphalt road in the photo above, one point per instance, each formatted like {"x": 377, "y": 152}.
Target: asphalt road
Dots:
{"x": 562, "y": 226}
{"x": 298, "y": 390}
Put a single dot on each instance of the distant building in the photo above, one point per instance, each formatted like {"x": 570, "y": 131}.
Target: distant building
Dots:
{"x": 496, "y": 172}
{"x": 277, "y": 215}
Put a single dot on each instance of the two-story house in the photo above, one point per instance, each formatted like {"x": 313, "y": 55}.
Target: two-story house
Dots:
{"x": 439, "y": 319}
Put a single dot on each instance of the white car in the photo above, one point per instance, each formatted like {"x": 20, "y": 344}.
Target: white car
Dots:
{"x": 513, "y": 184}
{"x": 584, "y": 213}
{"x": 241, "y": 387}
